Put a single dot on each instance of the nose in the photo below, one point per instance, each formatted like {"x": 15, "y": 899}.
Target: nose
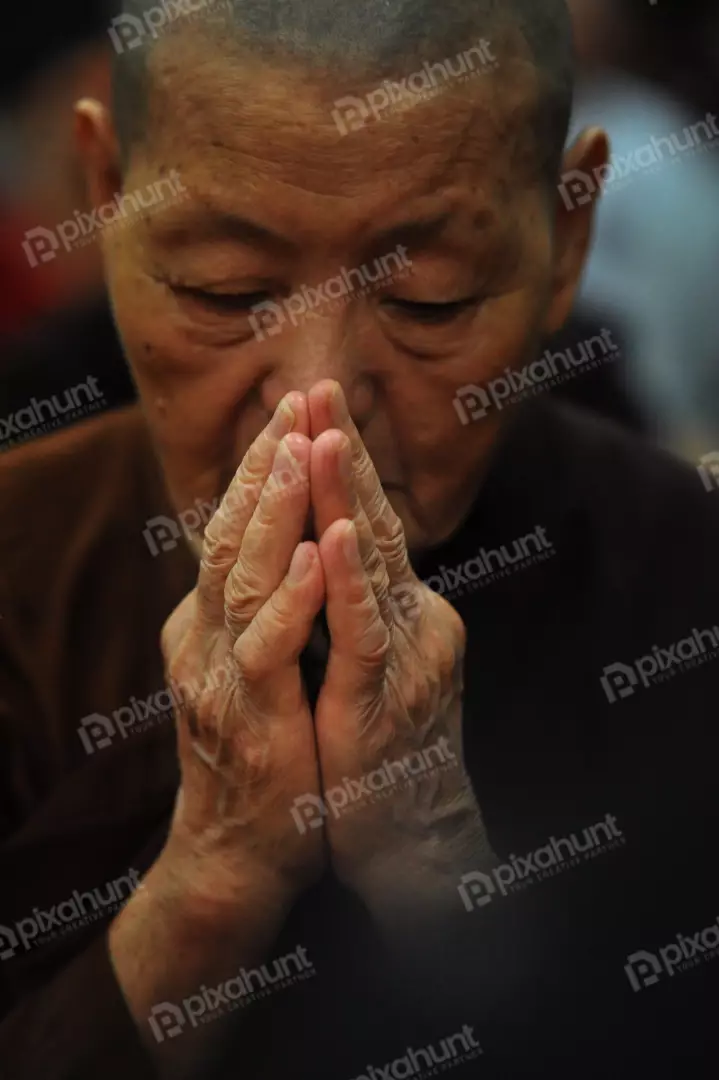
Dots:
{"x": 321, "y": 346}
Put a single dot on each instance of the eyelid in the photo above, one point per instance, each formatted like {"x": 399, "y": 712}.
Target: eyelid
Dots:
{"x": 202, "y": 291}
{"x": 426, "y": 308}
{"x": 429, "y": 304}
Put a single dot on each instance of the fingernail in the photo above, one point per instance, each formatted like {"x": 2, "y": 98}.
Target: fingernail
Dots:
{"x": 283, "y": 420}
{"x": 340, "y": 415}
{"x": 300, "y": 565}
{"x": 346, "y": 465}
{"x": 351, "y": 546}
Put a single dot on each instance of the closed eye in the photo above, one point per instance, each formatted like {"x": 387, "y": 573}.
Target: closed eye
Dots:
{"x": 433, "y": 313}
{"x": 222, "y": 303}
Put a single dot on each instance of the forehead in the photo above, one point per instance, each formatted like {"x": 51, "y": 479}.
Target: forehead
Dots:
{"x": 241, "y": 123}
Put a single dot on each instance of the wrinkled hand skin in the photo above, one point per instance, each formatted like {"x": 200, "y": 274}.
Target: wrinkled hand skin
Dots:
{"x": 393, "y": 685}
{"x": 245, "y": 734}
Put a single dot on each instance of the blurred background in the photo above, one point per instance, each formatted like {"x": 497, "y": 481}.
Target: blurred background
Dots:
{"x": 648, "y": 73}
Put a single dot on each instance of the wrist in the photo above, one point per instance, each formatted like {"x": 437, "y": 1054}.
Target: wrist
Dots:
{"x": 219, "y": 892}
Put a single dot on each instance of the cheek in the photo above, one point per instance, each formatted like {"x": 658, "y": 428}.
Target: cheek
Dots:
{"x": 199, "y": 399}
{"x": 194, "y": 392}
{"x": 441, "y": 461}
{"x": 442, "y": 458}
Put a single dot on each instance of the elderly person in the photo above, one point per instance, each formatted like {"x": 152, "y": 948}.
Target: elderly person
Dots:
{"x": 358, "y": 704}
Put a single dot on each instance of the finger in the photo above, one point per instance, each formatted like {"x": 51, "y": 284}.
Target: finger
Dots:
{"x": 282, "y": 627}
{"x": 271, "y": 536}
{"x": 360, "y": 638}
{"x": 223, "y": 535}
{"x": 334, "y": 497}
{"x": 328, "y": 409}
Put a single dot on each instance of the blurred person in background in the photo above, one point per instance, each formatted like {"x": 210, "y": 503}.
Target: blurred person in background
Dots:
{"x": 55, "y": 324}
{"x": 655, "y": 262}
{"x": 52, "y": 55}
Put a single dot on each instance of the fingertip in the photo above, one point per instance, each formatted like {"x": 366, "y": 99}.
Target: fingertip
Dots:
{"x": 298, "y": 444}
{"x": 297, "y": 401}
{"x": 320, "y": 402}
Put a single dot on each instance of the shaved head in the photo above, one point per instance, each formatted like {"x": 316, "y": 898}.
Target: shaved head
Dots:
{"x": 350, "y": 43}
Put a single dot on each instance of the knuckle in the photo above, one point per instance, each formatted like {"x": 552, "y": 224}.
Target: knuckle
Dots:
{"x": 363, "y": 467}
{"x": 395, "y": 539}
{"x": 253, "y": 655}
{"x": 217, "y": 550}
{"x": 243, "y": 596}
{"x": 408, "y": 599}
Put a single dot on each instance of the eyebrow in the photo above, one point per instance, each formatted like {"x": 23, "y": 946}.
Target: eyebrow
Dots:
{"x": 207, "y": 224}
{"x": 204, "y": 224}
{"x": 423, "y": 230}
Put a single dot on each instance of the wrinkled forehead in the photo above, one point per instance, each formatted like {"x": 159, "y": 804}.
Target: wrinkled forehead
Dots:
{"x": 331, "y": 132}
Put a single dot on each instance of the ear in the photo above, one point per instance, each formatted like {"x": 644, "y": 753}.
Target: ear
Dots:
{"x": 99, "y": 151}
{"x": 583, "y": 170}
